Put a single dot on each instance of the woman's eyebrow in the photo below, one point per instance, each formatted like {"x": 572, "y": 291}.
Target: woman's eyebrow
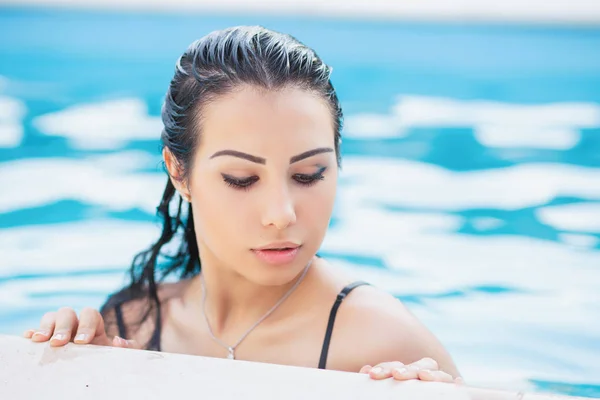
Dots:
{"x": 239, "y": 154}
{"x": 261, "y": 160}
{"x": 310, "y": 153}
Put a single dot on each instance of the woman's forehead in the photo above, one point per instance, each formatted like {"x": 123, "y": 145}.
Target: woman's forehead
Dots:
{"x": 250, "y": 116}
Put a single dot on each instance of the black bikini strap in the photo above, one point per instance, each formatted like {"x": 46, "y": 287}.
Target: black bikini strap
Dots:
{"x": 332, "y": 314}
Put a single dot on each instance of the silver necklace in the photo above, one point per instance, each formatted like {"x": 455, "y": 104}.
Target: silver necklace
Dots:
{"x": 231, "y": 349}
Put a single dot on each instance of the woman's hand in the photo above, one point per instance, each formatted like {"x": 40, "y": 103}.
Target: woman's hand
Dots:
{"x": 63, "y": 326}
{"x": 426, "y": 369}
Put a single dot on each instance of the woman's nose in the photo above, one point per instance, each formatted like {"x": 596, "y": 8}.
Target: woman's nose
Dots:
{"x": 279, "y": 209}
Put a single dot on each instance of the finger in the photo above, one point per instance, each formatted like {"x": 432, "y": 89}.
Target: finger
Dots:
{"x": 459, "y": 381}
{"x": 66, "y": 324}
{"x": 28, "y": 333}
{"x": 384, "y": 370}
{"x": 434, "y": 376}
{"x": 426, "y": 363}
{"x": 365, "y": 369}
{"x": 91, "y": 328}
{"x": 411, "y": 371}
{"x": 127, "y": 344}
{"x": 46, "y": 328}
{"x": 405, "y": 373}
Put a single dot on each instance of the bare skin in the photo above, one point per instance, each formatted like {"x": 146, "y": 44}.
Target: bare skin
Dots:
{"x": 289, "y": 136}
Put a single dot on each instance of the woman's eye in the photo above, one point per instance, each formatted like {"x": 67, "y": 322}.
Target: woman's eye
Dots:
{"x": 245, "y": 183}
{"x": 239, "y": 183}
{"x": 308, "y": 180}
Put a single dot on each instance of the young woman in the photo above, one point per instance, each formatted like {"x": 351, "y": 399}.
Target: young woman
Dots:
{"x": 251, "y": 146}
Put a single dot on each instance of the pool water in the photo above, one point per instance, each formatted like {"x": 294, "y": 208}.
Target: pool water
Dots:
{"x": 470, "y": 186}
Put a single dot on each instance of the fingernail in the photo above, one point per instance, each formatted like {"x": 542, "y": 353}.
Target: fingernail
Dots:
{"x": 377, "y": 370}
{"x": 59, "y": 336}
{"x": 401, "y": 371}
{"x": 41, "y": 333}
{"x": 425, "y": 372}
{"x": 82, "y": 337}
{"x": 121, "y": 341}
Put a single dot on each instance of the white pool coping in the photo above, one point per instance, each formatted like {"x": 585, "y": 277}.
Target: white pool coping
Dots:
{"x": 37, "y": 371}
{"x": 522, "y": 11}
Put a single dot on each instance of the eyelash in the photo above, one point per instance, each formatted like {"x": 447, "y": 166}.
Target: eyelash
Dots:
{"x": 246, "y": 183}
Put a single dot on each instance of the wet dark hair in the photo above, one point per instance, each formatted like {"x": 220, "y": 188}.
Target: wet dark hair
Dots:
{"x": 212, "y": 66}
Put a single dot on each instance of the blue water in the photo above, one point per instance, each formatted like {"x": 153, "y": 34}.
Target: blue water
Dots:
{"x": 470, "y": 187}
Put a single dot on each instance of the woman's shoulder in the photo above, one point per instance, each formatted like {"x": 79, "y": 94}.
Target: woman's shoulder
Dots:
{"x": 136, "y": 309}
{"x": 369, "y": 312}
{"x": 373, "y": 326}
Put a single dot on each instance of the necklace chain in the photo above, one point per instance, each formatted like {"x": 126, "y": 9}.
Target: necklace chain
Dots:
{"x": 231, "y": 349}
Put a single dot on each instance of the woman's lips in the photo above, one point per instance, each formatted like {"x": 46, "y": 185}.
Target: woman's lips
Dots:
{"x": 277, "y": 256}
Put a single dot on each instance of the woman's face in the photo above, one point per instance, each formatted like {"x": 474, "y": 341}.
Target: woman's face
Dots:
{"x": 264, "y": 176}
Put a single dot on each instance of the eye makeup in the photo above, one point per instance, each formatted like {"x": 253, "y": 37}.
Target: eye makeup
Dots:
{"x": 246, "y": 182}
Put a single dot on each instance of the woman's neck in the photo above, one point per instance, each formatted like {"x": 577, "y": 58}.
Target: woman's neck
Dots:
{"x": 233, "y": 302}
